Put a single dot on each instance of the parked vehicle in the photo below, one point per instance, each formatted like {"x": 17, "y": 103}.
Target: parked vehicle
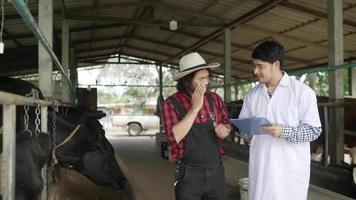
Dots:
{"x": 136, "y": 123}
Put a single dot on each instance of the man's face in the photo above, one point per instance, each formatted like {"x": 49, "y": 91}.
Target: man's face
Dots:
{"x": 201, "y": 77}
{"x": 265, "y": 71}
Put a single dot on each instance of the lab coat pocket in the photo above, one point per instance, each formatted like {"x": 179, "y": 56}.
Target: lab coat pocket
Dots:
{"x": 287, "y": 116}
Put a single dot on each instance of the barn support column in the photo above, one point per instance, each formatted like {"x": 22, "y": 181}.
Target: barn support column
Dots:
{"x": 45, "y": 66}
{"x": 336, "y": 57}
{"x": 352, "y": 81}
{"x": 236, "y": 91}
{"x": 73, "y": 72}
{"x": 312, "y": 81}
{"x": 160, "y": 97}
{"x": 65, "y": 93}
{"x": 44, "y": 129}
{"x": 227, "y": 65}
{"x": 8, "y": 153}
{"x": 160, "y": 81}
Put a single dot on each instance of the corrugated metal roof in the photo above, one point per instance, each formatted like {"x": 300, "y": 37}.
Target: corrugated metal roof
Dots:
{"x": 140, "y": 28}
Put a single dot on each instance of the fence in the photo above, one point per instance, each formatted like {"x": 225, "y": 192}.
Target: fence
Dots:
{"x": 8, "y": 157}
{"x": 235, "y": 108}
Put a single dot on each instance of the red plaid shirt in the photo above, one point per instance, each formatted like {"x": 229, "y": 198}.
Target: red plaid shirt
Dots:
{"x": 171, "y": 116}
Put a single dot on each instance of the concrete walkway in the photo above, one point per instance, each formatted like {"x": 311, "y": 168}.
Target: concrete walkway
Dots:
{"x": 155, "y": 175}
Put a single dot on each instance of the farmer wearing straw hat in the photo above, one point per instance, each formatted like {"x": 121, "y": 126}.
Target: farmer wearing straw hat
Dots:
{"x": 195, "y": 121}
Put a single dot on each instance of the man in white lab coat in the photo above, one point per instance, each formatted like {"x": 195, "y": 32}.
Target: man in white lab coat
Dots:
{"x": 279, "y": 165}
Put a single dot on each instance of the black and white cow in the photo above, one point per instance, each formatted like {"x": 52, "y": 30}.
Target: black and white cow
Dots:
{"x": 88, "y": 151}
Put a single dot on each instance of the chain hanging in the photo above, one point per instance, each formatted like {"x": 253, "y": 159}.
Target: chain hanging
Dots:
{"x": 54, "y": 133}
{"x": 38, "y": 112}
{"x": 26, "y": 117}
{"x": 33, "y": 94}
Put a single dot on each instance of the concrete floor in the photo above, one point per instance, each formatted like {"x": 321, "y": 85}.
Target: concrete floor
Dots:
{"x": 154, "y": 176}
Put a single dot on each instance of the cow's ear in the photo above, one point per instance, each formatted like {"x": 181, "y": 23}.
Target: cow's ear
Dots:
{"x": 102, "y": 114}
{"x": 97, "y": 114}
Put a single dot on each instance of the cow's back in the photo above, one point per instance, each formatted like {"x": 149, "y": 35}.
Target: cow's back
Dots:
{"x": 18, "y": 86}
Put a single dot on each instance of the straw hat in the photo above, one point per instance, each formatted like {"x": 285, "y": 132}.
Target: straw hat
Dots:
{"x": 191, "y": 63}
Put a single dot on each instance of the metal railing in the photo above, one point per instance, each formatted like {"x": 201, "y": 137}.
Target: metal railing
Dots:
{"x": 8, "y": 157}
{"x": 30, "y": 21}
{"x": 232, "y": 108}
{"x": 325, "y": 107}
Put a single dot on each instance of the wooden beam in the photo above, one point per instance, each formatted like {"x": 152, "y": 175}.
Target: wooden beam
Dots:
{"x": 187, "y": 12}
{"x": 125, "y": 46}
{"x": 167, "y": 44}
{"x": 251, "y": 14}
{"x": 292, "y": 38}
{"x": 118, "y": 5}
{"x": 125, "y": 21}
{"x": 316, "y": 13}
{"x": 12, "y": 38}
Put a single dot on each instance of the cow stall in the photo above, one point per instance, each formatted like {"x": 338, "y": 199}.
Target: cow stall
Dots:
{"x": 9, "y": 117}
{"x": 8, "y": 156}
{"x": 67, "y": 182}
{"x": 72, "y": 185}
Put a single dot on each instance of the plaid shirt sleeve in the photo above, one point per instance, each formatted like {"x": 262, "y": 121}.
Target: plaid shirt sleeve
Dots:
{"x": 169, "y": 119}
{"x": 222, "y": 112}
{"x": 222, "y": 117}
{"x": 301, "y": 133}
{"x": 244, "y": 135}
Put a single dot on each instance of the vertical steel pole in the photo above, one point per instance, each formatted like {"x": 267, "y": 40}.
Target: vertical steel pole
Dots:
{"x": 9, "y": 152}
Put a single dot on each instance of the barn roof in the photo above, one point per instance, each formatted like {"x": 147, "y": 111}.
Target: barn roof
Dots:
{"x": 140, "y": 28}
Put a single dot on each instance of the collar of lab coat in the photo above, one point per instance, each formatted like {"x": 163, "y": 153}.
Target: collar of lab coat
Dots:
{"x": 285, "y": 81}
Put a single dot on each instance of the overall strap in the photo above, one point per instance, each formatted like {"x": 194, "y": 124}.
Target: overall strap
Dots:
{"x": 211, "y": 105}
{"x": 183, "y": 112}
{"x": 179, "y": 106}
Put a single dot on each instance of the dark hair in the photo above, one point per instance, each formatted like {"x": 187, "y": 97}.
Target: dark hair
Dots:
{"x": 269, "y": 51}
{"x": 184, "y": 83}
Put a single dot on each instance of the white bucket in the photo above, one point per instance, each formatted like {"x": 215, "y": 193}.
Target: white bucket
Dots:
{"x": 243, "y": 184}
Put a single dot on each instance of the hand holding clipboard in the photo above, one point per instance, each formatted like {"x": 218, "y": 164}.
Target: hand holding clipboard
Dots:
{"x": 251, "y": 125}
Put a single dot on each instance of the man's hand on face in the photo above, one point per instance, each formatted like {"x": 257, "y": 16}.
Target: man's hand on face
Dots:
{"x": 275, "y": 129}
{"x": 198, "y": 97}
{"x": 222, "y": 131}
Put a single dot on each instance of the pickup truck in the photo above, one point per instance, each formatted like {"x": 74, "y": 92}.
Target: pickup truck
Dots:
{"x": 136, "y": 123}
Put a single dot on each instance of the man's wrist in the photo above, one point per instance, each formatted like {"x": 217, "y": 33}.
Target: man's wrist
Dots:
{"x": 286, "y": 131}
{"x": 194, "y": 111}
{"x": 227, "y": 128}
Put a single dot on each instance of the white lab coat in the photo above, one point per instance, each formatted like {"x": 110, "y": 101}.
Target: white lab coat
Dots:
{"x": 278, "y": 169}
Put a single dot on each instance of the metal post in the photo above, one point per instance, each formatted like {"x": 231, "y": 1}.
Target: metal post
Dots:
{"x": 44, "y": 129}
{"x": 227, "y": 65}
{"x": 44, "y": 113}
{"x": 312, "y": 82}
{"x": 73, "y": 72}
{"x": 352, "y": 81}
{"x": 65, "y": 93}
{"x": 326, "y": 142}
{"x": 160, "y": 95}
{"x": 336, "y": 82}
{"x": 24, "y": 12}
{"x": 45, "y": 64}
{"x": 9, "y": 152}
{"x": 160, "y": 81}
{"x": 236, "y": 91}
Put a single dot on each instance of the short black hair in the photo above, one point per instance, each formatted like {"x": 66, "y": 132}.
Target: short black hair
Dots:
{"x": 184, "y": 83}
{"x": 269, "y": 51}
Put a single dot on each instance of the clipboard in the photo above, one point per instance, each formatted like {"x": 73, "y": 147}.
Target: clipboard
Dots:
{"x": 251, "y": 125}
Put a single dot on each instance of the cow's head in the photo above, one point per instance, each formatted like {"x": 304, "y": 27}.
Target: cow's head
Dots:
{"x": 88, "y": 152}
